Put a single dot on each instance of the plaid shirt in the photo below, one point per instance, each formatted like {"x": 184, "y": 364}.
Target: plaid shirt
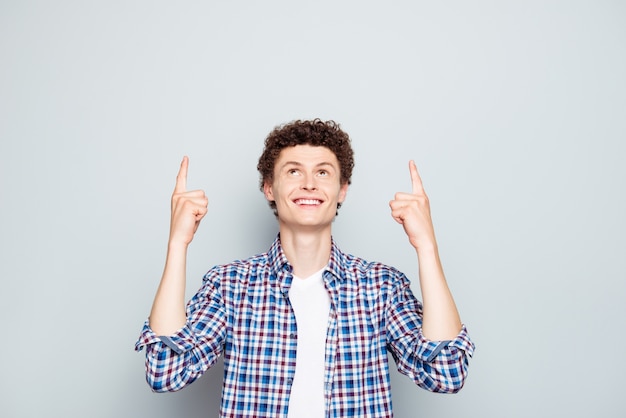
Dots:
{"x": 242, "y": 311}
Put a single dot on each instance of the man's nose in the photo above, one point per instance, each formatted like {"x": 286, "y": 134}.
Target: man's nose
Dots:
{"x": 308, "y": 182}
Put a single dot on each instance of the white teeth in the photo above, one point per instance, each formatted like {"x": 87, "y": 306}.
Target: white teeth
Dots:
{"x": 308, "y": 202}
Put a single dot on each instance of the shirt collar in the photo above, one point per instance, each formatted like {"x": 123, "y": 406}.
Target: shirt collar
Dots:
{"x": 276, "y": 258}
{"x": 337, "y": 264}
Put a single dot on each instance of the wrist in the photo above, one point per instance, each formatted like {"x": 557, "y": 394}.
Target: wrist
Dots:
{"x": 177, "y": 245}
{"x": 427, "y": 249}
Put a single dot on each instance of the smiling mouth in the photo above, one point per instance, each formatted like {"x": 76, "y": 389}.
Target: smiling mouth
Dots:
{"x": 308, "y": 202}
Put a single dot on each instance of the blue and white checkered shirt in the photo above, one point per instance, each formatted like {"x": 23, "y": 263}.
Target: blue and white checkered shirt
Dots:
{"x": 242, "y": 311}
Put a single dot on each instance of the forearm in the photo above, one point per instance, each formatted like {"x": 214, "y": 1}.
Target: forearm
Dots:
{"x": 168, "y": 309}
{"x": 441, "y": 318}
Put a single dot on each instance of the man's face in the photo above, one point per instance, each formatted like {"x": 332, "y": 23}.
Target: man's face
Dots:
{"x": 306, "y": 187}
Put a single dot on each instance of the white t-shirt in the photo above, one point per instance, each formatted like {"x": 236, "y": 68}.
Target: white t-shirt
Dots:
{"x": 311, "y": 304}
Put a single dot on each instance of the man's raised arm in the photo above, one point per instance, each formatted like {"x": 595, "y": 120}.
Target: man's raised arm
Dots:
{"x": 188, "y": 209}
{"x": 412, "y": 210}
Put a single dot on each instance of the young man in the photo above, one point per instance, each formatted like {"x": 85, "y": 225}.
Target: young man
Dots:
{"x": 305, "y": 328}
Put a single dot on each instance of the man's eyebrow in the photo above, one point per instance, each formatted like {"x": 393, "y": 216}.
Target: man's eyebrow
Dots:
{"x": 286, "y": 163}
{"x": 299, "y": 164}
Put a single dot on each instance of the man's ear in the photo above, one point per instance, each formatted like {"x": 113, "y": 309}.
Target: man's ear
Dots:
{"x": 343, "y": 191}
{"x": 269, "y": 193}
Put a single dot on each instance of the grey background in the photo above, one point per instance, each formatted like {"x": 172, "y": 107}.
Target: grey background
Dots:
{"x": 514, "y": 111}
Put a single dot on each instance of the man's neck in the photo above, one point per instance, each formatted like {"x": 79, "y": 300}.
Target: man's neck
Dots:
{"x": 307, "y": 252}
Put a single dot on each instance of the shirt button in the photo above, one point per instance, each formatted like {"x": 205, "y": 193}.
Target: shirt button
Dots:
{"x": 292, "y": 335}
{"x": 290, "y": 381}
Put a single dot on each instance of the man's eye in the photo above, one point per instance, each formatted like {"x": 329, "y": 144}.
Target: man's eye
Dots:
{"x": 293, "y": 172}
{"x": 323, "y": 173}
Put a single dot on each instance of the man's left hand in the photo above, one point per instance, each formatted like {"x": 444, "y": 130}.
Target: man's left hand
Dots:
{"x": 412, "y": 211}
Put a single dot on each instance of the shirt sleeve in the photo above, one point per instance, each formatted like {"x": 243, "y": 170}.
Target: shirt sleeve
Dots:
{"x": 174, "y": 361}
{"x": 437, "y": 366}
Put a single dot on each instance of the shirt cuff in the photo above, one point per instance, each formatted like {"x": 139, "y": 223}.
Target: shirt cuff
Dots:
{"x": 181, "y": 341}
{"x": 428, "y": 350}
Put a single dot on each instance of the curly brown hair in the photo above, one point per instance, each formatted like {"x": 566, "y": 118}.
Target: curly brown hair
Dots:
{"x": 308, "y": 132}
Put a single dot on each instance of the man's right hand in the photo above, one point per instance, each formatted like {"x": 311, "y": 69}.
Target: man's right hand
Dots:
{"x": 188, "y": 208}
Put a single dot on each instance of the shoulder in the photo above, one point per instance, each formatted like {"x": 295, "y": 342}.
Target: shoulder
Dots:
{"x": 362, "y": 270}
{"x": 239, "y": 270}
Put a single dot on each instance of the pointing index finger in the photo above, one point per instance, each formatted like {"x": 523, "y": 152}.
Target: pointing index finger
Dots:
{"x": 181, "y": 178}
{"x": 416, "y": 180}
